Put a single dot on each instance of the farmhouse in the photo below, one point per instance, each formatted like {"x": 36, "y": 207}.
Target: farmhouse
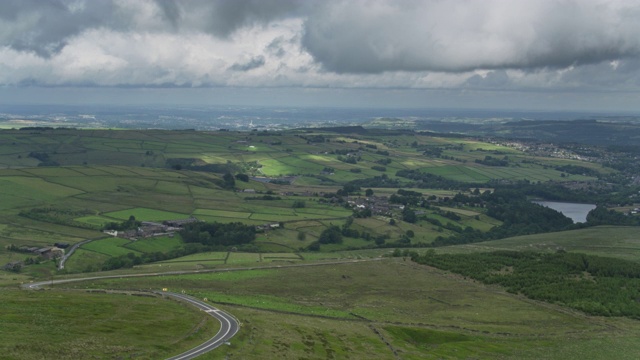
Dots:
{"x": 49, "y": 252}
{"x": 266, "y": 227}
{"x": 14, "y": 266}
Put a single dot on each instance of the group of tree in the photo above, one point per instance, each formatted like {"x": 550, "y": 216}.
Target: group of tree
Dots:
{"x": 218, "y": 234}
{"x": 491, "y": 161}
{"x": 593, "y": 284}
{"x": 603, "y": 216}
{"x": 430, "y": 181}
{"x": 406, "y": 197}
{"x": 129, "y": 224}
{"x": 44, "y": 159}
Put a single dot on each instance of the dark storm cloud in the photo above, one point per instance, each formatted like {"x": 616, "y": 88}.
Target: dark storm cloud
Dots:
{"x": 171, "y": 10}
{"x": 223, "y": 17}
{"x": 44, "y": 26}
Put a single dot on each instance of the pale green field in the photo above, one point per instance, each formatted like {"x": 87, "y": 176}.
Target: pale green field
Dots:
{"x": 146, "y": 214}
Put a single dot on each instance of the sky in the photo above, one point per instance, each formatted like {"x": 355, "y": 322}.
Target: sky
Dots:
{"x": 509, "y": 54}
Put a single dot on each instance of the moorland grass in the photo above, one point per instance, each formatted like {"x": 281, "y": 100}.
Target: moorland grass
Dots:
{"x": 73, "y": 325}
{"x": 420, "y": 311}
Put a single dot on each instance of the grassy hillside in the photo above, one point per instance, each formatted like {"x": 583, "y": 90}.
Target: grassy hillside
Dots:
{"x": 612, "y": 241}
{"x": 352, "y": 309}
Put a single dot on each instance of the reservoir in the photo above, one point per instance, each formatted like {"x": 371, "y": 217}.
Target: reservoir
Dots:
{"x": 574, "y": 211}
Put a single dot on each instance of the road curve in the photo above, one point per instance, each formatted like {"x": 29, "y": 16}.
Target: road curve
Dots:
{"x": 72, "y": 249}
{"x": 229, "y": 327}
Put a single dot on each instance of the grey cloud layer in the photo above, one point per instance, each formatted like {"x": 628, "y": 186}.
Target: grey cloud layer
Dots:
{"x": 373, "y": 36}
{"x": 350, "y": 43}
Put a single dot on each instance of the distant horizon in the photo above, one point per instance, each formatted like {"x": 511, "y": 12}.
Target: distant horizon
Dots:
{"x": 159, "y": 104}
{"x": 189, "y": 106}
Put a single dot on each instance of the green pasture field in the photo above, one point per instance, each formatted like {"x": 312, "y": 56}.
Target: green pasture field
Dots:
{"x": 226, "y": 220}
{"x": 222, "y": 213}
{"x": 348, "y": 254}
{"x": 94, "y": 220}
{"x": 463, "y": 212}
{"x": 20, "y": 224}
{"x": 221, "y": 255}
{"x": 105, "y": 183}
{"x": 155, "y": 244}
{"x": 11, "y": 201}
{"x": 74, "y": 325}
{"x": 277, "y": 256}
{"x": 20, "y": 235}
{"x": 273, "y": 247}
{"x": 269, "y": 207}
{"x": 32, "y": 188}
{"x": 272, "y": 167}
{"x": 119, "y": 170}
{"x": 176, "y": 266}
{"x": 146, "y": 214}
{"x": 286, "y": 237}
{"x": 243, "y": 258}
{"x": 85, "y": 260}
{"x": 273, "y": 217}
{"x": 52, "y": 171}
{"x": 113, "y": 246}
{"x": 91, "y": 171}
{"x": 324, "y": 211}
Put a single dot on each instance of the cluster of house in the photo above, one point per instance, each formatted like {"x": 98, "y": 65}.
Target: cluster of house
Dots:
{"x": 635, "y": 211}
{"x": 379, "y": 205}
{"x": 149, "y": 229}
{"x": 269, "y": 226}
{"x": 46, "y": 253}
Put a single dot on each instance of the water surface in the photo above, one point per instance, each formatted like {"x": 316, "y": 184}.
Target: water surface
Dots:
{"x": 575, "y": 211}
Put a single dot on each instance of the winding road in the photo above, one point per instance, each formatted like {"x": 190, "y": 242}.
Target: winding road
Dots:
{"x": 229, "y": 325}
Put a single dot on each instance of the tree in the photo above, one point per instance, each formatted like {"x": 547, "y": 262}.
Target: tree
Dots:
{"x": 229, "y": 181}
{"x": 297, "y": 204}
{"x": 368, "y": 192}
{"x": 410, "y": 233}
{"x": 242, "y": 177}
{"x": 302, "y": 236}
{"x": 409, "y": 215}
{"x": 331, "y": 235}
